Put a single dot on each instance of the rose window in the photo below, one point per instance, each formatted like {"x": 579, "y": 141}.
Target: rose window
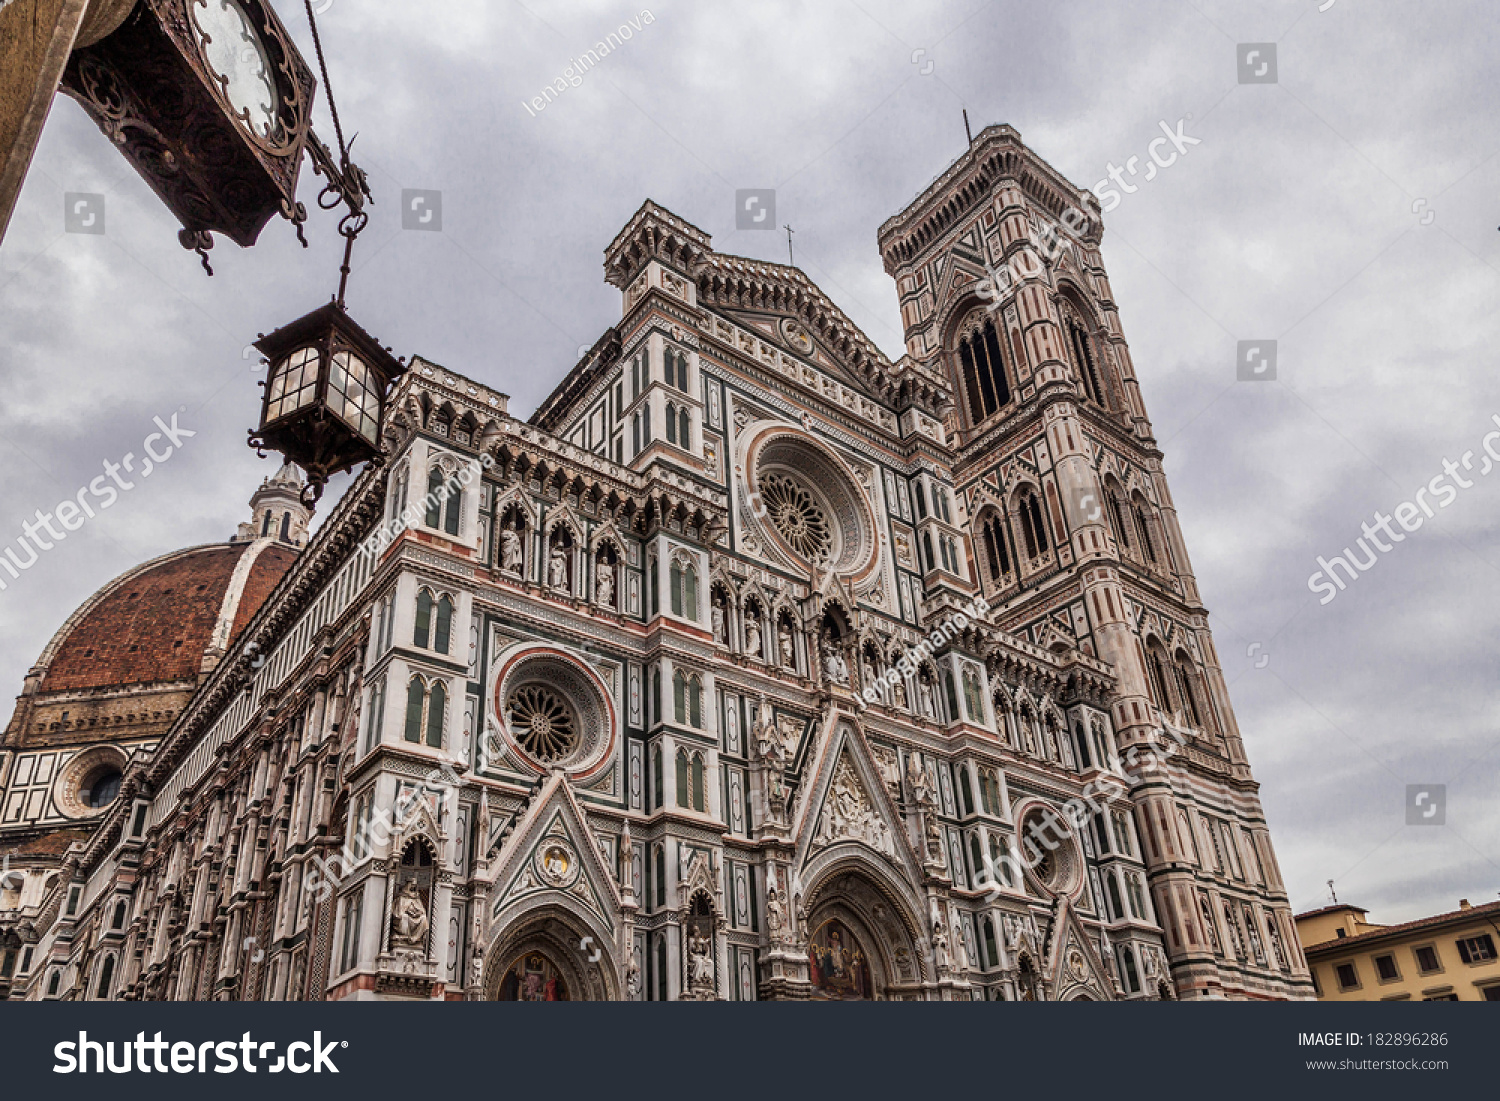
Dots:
{"x": 543, "y": 722}
{"x": 797, "y": 515}
{"x": 808, "y": 503}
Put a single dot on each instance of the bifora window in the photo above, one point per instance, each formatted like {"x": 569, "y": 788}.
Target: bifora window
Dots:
{"x": 543, "y": 722}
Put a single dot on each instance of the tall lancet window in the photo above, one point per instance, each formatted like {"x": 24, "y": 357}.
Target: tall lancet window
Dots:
{"x": 985, "y": 383}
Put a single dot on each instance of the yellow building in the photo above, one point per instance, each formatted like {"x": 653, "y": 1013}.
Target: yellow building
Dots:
{"x": 1447, "y": 958}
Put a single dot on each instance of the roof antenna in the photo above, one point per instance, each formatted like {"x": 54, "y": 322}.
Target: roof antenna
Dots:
{"x": 967, "y": 131}
{"x": 1333, "y": 893}
{"x": 789, "y": 231}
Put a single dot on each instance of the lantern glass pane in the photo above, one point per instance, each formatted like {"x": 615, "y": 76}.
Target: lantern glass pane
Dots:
{"x": 293, "y": 385}
{"x": 353, "y": 395}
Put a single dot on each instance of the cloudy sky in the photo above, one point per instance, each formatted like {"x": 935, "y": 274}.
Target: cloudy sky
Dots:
{"x": 1346, "y": 211}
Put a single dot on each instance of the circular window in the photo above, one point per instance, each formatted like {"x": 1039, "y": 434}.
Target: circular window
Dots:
{"x": 554, "y": 710}
{"x": 798, "y": 516}
{"x": 102, "y": 789}
{"x": 90, "y": 782}
{"x": 543, "y": 722}
{"x": 808, "y": 502}
{"x": 1050, "y": 851}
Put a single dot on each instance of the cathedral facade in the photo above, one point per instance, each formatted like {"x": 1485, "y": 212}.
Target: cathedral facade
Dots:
{"x": 753, "y": 665}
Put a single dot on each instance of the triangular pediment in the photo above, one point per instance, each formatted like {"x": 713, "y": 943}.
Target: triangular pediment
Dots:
{"x": 1073, "y": 967}
{"x": 849, "y": 805}
{"x": 553, "y": 850}
{"x": 768, "y": 329}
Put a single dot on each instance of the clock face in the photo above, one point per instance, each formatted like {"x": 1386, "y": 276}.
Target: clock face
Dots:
{"x": 235, "y": 54}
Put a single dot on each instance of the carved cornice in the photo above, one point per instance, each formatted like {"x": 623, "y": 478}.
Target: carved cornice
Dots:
{"x": 996, "y": 154}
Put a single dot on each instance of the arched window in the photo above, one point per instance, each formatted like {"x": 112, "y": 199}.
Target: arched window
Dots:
{"x": 635, "y": 433}
{"x": 972, "y": 705}
{"x": 452, "y": 504}
{"x": 676, "y": 370}
{"x": 265, "y": 524}
{"x": 106, "y": 978}
{"x": 654, "y": 703}
{"x": 927, "y": 550}
{"x": 679, "y": 696}
{"x": 1033, "y": 527}
{"x": 684, "y": 589}
{"x": 376, "y": 712}
{"x": 684, "y": 428}
{"x": 653, "y": 586}
{"x": 422, "y": 633}
{"x": 635, "y": 380}
{"x": 700, "y": 796}
{"x": 952, "y": 695}
{"x": 286, "y": 532}
{"x": 444, "y": 625}
{"x": 1081, "y": 746}
{"x": 1187, "y": 686}
{"x": 1083, "y": 363}
{"x": 671, "y": 420}
{"x": 118, "y": 921}
{"x": 1117, "y": 515}
{"x": 1143, "y": 528}
{"x": 437, "y": 706}
{"x": 1117, "y": 909}
{"x": 996, "y": 548}
{"x": 414, "y": 700}
{"x": 656, "y": 782}
{"x": 1156, "y": 666}
{"x": 695, "y": 701}
{"x": 985, "y": 383}
{"x": 921, "y": 501}
{"x": 52, "y": 984}
{"x": 1101, "y": 745}
{"x": 683, "y": 795}
{"x": 434, "y": 516}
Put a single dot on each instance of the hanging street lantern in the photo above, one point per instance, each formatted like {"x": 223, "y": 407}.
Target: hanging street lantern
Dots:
{"x": 324, "y": 394}
{"x": 211, "y": 103}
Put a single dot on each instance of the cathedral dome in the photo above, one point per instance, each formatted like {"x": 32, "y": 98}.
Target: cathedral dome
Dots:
{"x": 123, "y": 665}
{"x": 157, "y": 622}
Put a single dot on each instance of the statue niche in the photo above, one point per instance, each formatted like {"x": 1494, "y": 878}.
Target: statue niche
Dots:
{"x": 411, "y": 904}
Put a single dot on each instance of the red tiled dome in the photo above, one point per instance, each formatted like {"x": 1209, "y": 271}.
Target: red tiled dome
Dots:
{"x": 154, "y": 623}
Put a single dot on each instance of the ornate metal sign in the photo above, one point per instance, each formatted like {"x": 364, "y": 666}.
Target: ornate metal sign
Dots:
{"x": 211, "y": 102}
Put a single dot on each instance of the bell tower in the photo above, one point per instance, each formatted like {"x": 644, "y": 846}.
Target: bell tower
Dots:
{"x": 1073, "y": 536}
